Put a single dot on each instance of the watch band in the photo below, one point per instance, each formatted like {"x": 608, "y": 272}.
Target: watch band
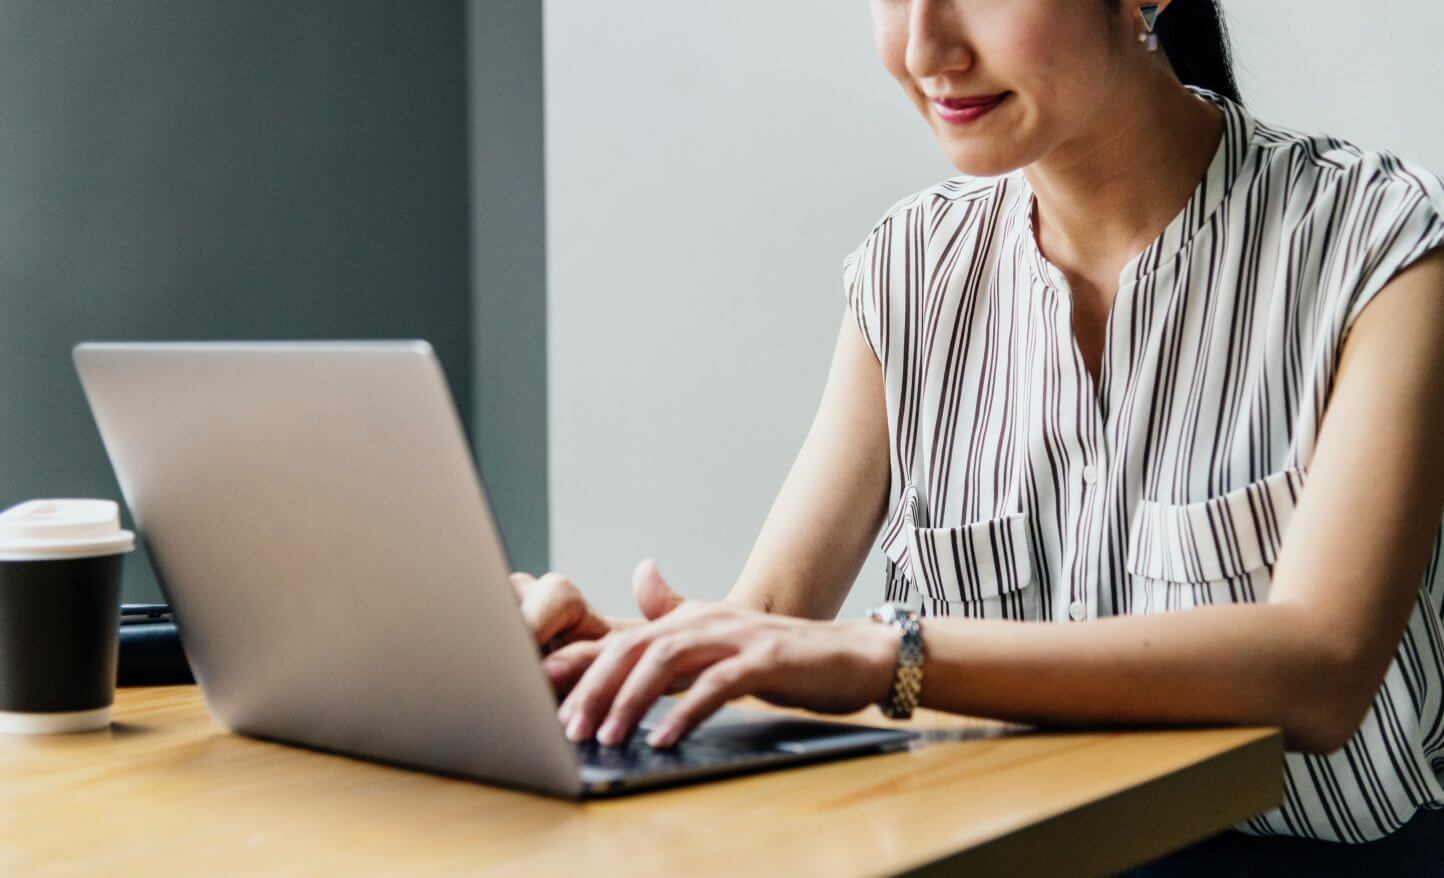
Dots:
{"x": 907, "y": 680}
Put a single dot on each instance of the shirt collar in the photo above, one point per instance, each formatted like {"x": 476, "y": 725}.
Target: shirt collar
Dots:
{"x": 1228, "y": 160}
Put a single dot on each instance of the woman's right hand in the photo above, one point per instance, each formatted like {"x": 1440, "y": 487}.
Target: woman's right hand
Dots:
{"x": 569, "y": 632}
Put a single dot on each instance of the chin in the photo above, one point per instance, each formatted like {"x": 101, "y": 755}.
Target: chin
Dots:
{"x": 983, "y": 162}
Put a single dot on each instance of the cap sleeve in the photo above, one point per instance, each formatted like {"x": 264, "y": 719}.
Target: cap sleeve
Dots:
{"x": 860, "y": 290}
{"x": 869, "y": 272}
{"x": 1405, "y": 220}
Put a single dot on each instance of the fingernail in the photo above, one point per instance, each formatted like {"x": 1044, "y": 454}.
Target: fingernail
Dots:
{"x": 660, "y": 737}
{"x": 576, "y": 730}
{"x": 611, "y": 733}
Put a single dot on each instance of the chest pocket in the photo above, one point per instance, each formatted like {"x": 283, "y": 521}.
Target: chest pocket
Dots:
{"x": 982, "y": 570}
{"x": 1218, "y": 550}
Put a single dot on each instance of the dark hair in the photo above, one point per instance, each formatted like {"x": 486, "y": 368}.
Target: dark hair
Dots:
{"x": 1195, "y": 38}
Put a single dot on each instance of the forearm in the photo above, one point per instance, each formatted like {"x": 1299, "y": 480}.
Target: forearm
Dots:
{"x": 805, "y": 597}
{"x": 796, "y": 569}
{"x": 825, "y": 519}
{"x": 1243, "y": 664}
{"x": 804, "y": 562}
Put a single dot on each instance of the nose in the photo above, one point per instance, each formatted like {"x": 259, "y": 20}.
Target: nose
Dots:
{"x": 936, "y": 40}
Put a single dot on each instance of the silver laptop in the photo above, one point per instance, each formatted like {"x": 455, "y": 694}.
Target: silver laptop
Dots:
{"x": 317, "y": 524}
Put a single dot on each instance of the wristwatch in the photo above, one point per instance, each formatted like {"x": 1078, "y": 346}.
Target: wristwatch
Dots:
{"x": 907, "y": 680}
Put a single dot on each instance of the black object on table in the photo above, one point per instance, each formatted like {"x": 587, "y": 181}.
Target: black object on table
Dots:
{"x": 150, "y": 648}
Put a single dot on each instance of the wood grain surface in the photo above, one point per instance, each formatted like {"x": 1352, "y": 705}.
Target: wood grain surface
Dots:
{"x": 167, "y": 791}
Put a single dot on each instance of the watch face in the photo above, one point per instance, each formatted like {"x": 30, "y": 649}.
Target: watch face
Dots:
{"x": 900, "y": 610}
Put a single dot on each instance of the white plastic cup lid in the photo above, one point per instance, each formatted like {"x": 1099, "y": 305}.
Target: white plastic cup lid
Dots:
{"x": 39, "y": 530}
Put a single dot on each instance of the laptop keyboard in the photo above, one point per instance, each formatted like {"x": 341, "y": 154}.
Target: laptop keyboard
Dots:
{"x": 636, "y": 756}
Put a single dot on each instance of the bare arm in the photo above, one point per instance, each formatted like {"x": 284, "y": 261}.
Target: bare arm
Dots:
{"x": 828, "y": 512}
{"x": 1311, "y": 659}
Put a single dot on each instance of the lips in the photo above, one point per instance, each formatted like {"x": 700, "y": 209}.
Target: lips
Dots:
{"x": 966, "y": 110}
{"x": 968, "y": 103}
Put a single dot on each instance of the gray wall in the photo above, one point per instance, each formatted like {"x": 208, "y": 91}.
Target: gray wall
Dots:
{"x": 508, "y": 241}
{"x": 177, "y": 169}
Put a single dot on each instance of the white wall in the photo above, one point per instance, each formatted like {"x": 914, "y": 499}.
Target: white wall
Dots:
{"x": 708, "y": 166}
{"x": 1372, "y": 73}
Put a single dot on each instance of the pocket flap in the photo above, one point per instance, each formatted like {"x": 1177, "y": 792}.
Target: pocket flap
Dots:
{"x": 895, "y": 543}
{"x": 968, "y": 563}
{"x": 980, "y": 560}
{"x": 1218, "y": 538}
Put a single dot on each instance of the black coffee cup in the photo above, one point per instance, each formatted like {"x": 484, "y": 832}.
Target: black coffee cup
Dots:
{"x": 60, "y": 564}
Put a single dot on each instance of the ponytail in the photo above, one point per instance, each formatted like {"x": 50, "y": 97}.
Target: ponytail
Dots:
{"x": 1195, "y": 39}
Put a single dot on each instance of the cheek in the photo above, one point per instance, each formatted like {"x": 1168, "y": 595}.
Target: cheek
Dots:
{"x": 1058, "y": 68}
{"x": 1061, "y": 63}
{"x": 1030, "y": 56}
{"x": 890, "y": 39}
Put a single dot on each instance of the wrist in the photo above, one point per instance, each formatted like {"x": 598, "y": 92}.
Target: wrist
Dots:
{"x": 907, "y": 677}
{"x": 878, "y": 646}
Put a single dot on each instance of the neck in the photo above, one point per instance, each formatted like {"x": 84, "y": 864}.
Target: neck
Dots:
{"x": 1110, "y": 191}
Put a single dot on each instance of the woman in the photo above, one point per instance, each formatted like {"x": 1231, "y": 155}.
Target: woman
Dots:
{"x": 1098, "y": 378}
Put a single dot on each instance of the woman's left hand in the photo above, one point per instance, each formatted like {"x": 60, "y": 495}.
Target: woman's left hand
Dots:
{"x": 725, "y": 651}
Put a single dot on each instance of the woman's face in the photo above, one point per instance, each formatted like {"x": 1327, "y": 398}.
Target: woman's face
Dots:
{"x": 1054, "y": 62}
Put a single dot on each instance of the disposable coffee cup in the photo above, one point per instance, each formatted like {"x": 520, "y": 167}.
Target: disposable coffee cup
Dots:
{"x": 60, "y": 566}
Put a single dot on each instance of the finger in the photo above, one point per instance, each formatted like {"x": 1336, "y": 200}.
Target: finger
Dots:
{"x": 715, "y": 686}
{"x": 667, "y": 658}
{"x": 654, "y": 596}
{"x": 549, "y": 606}
{"x": 590, "y": 699}
{"x": 554, "y": 606}
{"x": 519, "y": 584}
{"x": 565, "y": 666}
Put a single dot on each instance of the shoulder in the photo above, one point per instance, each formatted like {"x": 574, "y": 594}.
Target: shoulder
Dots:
{"x": 1329, "y": 172}
{"x": 915, "y": 208}
{"x": 877, "y": 271}
{"x": 1360, "y": 216}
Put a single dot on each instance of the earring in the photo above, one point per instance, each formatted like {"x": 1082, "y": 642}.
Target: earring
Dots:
{"x": 1150, "y": 17}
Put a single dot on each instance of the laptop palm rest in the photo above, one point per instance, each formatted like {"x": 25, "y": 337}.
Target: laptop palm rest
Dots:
{"x": 733, "y": 740}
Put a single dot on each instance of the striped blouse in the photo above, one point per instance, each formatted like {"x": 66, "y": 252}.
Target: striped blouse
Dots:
{"x": 1022, "y": 490}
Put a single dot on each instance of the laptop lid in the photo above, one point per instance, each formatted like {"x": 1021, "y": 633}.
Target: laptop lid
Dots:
{"x": 316, "y": 521}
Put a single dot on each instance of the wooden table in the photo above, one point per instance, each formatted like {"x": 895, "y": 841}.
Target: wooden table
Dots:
{"x": 166, "y": 791}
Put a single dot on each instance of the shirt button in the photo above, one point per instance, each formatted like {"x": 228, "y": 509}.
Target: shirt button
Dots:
{"x": 1090, "y": 473}
{"x": 1077, "y": 611}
